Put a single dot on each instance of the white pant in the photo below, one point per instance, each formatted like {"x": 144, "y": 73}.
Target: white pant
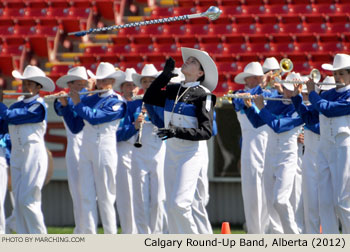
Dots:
{"x": 279, "y": 174}
{"x": 201, "y": 197}
{"x": 28, "y": 172}
{"x": 181, "y": 171}
{"x": 148, "y": 185}
{"x": 297, "y": 199}
{"x": 3, "y": 189}
{"x": 124, "y": 179}
{"x": 72, "y": 161}
{"x": 252, "y": 167}
{"x": 334, "y": 168}
{"x": 310, "y": 183}
{"x": 254, "y": 143}
{"x": 97, "y": 177}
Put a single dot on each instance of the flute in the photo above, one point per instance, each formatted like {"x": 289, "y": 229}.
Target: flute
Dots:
{"x": 237, "y": 96}
{"x": 54, "y": 96}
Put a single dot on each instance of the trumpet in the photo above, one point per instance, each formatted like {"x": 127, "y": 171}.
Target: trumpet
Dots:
{"x": 286, "y": 66}
{"x": 237, "y": 96}
{"x": 314, "y": 75}
{"x": 54, "y": 96}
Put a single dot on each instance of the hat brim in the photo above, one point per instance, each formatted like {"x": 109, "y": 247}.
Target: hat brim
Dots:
{"x": 47, "y": 84}
{"x": 118, "y": 76}
{"x": 136, "y": 78}
{"x": 210, "y": 70}
{"x": 288, "y": 86}
{"x": 329, "y": 67}
{"x": 265, "y": 70}
{"x": 62, "y": 81}
{"x": 240, "y": 78}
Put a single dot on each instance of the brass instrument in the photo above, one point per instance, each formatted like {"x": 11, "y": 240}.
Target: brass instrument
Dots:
{"x": 286, "y": 66}
{"x": 314, "y": 75}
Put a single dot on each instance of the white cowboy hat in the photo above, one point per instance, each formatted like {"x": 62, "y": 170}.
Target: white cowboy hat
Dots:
{"x": 34, "y": 73}
{"x": 210, "y": 70}
{"x": 340, "y": 61}
{"x": 73, "y": 74}
{"x": 149, "y": 70}
{"x": 328, "y": 79}
{"x": 128, "y": 78}
{"x": 252, "y": 69}
{"x": 292, "y": 76}
{"x": 106, "y": 70}
{"x": 270, "y": 64}
{"x": 180, "y": 76}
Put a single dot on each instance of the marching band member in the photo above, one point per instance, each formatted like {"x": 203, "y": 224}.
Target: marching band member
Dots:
{"x": 331, "y": 110}
{"x": 188, "y": 119}
{"x": 76, "y": 79}
{"x": 254, "y": 142}
{"x": 309, "y": 164}
{"x": 148, "y": 164}
{"x": 125, "y": 207}
{"x": 29, "y": 160}
{"x": 98, "y": 154}
{"x": 281, "y": 152}
{"x": 4, "y": 139}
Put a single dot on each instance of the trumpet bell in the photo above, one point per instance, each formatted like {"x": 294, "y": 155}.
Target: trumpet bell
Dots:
{"x": 286, "y": 65}
{"x": 315, "y": 75}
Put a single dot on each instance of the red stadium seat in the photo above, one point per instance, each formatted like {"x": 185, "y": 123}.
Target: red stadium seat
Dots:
{"x": 117, "y": 49}
{"x": 291, "y": 24}
{"x": 208, "y": 3}
{"x": 304, "y": 8}
{"x": 212, "y": 48}
{"x": 325, "y": 8}
{"x": 93, "y": 50}
{"x": 338, "y": 23}
{"x": 24, "y": 30}
{"x": 13, "y": 12}
{"x": 277, "y": 9}
{"x": 175, "y": 29}
{"x": 162, "y": 12}
{"x": 152, "y": 30}
{"x": 142, "y": 48}
{"x": 106, "y": 8}
{"x": 234, "y": 48}
{"x": 40, "y": 45}
{"x": 220, "y": 29}
{"x": 254, "y": 9}
{"x": 166, "y": 48}
{"x": 7, "y": 64}
{"x": 50, "y": 31}
{"x": 197, "y": 29}
{"x": 179, "y": 11}
{"x": 343, "y": 8}
{"x": 61, "y": 69}
{"x": 129, "y": 31}
{"x": 186, "y": 3}
{"x": 6, "y": 30}
{"x": 315, "y": 24}
{"x": 58, "y": 12}
{"x": 59, "y": 3}
{"x": 12, "y": 49}
{"x": 80, "y": 12}
{"x": 36, "y": 12}
{"x": 232, "y": 10}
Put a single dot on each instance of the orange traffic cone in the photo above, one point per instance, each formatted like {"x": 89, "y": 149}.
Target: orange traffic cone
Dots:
{"x": 225, "y": 228}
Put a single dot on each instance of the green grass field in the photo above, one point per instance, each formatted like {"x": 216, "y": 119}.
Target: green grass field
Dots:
{"x": 69, "y": 230}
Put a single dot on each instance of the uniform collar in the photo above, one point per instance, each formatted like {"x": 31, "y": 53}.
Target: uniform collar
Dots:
{"x": 108, "y": 93}
{"x": 190, "y": 84}
{"x": 343, "y": 89}
{"x": 30, "y": 99}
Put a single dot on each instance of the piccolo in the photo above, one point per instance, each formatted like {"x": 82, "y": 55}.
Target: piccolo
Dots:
{"x": 13, "y": 93}
{"x": 237, "y": 96}
{"x": 54, "y": 96}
